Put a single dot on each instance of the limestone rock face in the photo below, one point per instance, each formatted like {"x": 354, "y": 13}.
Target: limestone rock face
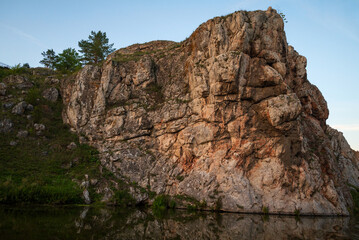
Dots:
{"x": 226, "y": 116}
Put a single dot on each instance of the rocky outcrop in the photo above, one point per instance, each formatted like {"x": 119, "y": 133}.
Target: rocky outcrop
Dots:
{"x": 227, "y": 117}
{"x": 19, "y": 81}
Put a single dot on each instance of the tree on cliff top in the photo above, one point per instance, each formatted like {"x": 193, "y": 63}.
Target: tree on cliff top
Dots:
{"x": 68, "y": 61}
{"x": 96, "y": 48}
{"x": 49, "y": 59}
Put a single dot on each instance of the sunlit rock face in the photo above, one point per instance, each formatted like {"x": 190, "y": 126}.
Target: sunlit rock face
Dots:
{"x": 227, "y": 117}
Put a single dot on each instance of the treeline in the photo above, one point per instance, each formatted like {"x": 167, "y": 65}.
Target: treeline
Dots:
{"x": 93, "y": 51}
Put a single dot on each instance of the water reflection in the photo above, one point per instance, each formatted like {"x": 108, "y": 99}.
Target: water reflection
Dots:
{"x": 113, "y": 223}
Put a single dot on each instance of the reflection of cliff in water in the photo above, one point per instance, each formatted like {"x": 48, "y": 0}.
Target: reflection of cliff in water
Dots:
{"x": 112, "y": 223}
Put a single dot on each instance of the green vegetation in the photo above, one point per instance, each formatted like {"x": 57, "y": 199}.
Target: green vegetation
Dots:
{"x": 40, "y": 168}
{"x": 218, "y": 205}
{"x": 94, "y": 51}
{"x": 265, "y": 210}
{"x": 96, "y": 48}
{"x": 355, "y": 195}
{"x": 190, "y": 203}
{"x": 123, "y": 58}
{"x": 55, "y": 191}
{"x": 283, "y": 17}
{"x": 49, "y": 59}
{"x": 163, "y": 202}
{"x": 123, "y": 198}
{"x": 68, "y": 61}
{"x": 15, "y": 70}
{"x": 180, "y": 178}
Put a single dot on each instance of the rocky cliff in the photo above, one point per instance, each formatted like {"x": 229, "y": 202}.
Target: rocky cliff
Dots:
{"x": 226, "y": 117}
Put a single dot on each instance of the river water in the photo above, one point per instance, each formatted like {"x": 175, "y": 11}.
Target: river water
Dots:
{"x": 39, "y": 222}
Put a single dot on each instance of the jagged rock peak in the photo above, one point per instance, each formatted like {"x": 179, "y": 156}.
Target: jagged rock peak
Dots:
{"x": 227, "y": 117}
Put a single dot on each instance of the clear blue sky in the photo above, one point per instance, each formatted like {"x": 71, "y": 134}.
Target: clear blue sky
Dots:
{"x": 326, "y": 32}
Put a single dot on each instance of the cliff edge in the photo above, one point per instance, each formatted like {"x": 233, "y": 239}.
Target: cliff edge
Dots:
{"x": 226, "y": 117}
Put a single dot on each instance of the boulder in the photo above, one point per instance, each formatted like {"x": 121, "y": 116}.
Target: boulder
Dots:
{"x": 52, "y": 80}
{"x": 15, "y": 79}
{"x": 19, "y": 108}
{"x": 72, "y": 146}
{"x": 50, "y": 94}
{"x": 6, "y": 125}
{"x": 24, "y": 85}
{"x": 8, "y": 105}
{"x": 39, "y": 128}
{"x": 22, "y": 134}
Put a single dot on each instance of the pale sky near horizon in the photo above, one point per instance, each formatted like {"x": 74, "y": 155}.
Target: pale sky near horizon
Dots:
{"x": 326, "y": 32}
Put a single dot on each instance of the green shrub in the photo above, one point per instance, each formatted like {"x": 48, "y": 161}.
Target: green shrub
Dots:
{"x": 32, "y": 96}
{"x": 160, "y": 202}
{"x": 355, "y": 195}
{"x": 123, "y": 198}
{"x": 265, "y": 210}
{"x": 163, "y": 202}
{"x": 180, "y": 178}
{"x": 60, "y": 192}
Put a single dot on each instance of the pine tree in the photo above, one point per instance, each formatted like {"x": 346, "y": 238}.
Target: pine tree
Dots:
{"x": 68, "y": 61}
{"x": 96, "y": 48}
{"x": 49, "y": 59}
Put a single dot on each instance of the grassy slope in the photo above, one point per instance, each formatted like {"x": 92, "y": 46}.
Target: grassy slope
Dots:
{"x": 37, "y": 169}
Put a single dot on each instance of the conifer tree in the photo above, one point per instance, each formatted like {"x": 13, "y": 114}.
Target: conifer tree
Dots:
{"x": 68, "y": 61}
{"x": 96, "y": 48}
{"x": 49, "y": 59}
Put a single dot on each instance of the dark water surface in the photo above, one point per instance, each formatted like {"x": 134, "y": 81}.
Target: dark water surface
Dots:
{"x": 39, "y": 223}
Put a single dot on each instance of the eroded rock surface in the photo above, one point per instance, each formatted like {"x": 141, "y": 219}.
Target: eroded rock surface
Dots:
{"x": 227, "y": 117}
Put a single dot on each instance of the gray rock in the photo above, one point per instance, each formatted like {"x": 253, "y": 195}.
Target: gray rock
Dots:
{"x": 19, "y": 108}
{"x": 85, "y": 184}
{"x": 52, "y": 80}
{"x": 13, "y": 143}
{"x": 93, "y": 182}
{"x": 2, "y": 89}
{"x": 29, "y": 107}
{"x": 82, "y": 140}
{"x": 6, "y": 125}
{"x": 24, "y": 85}
{"x": 39, "y": 128}
{"x": 72, "y": 146}
{"x": 50, "y": 94}
{"x": 86, "y": 196}
{"x": 22, "y": 134}
{"x": 15, "y": 79}
{"x": 8, "y": 105}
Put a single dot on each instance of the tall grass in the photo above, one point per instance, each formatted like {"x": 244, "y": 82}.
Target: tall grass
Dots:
{"x": 64, "y": 192}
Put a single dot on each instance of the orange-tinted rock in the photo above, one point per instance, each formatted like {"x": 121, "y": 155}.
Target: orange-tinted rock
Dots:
{"x": 229, "y": 110}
